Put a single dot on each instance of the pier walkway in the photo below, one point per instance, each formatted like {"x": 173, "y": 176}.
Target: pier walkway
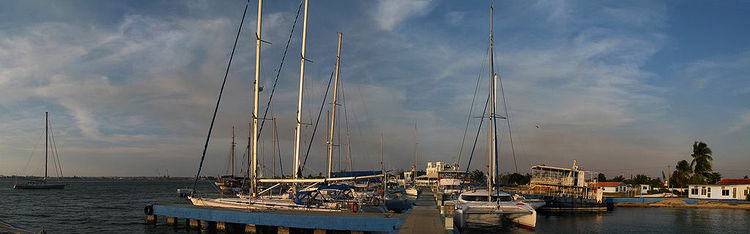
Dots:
{"x": 424, "y": 217}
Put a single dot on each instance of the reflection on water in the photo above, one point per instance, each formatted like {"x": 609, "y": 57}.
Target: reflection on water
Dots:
{"x": 627, "y": 220}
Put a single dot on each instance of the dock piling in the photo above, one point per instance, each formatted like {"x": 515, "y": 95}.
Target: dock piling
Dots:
{"x": 171, "y": 221}
{"x": 193, "y": 223}
{"x": 283, "y": 230}
{"x": 250, "y": 229}
{"x": 151, "y": 219}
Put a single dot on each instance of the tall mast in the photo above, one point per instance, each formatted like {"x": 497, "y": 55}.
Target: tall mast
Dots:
{"x": 232, "y": 157}
{"x": 333, "y": 107}
{"x": 493, "y": 129}
{"x": 416, "y": 146}
{"x": 46, "y": 140}
{"x": 256, "y": 88}
{"x": 382, "y": 166}
{"x": 273, "y": 146}
{"x": 298, "y": 130}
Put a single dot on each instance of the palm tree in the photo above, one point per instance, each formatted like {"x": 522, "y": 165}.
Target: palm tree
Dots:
{"x": 701, "y": 162}
{"x": 681, "y": 174}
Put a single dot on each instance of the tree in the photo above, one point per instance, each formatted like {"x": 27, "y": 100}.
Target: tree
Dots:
{"x": 619, "y": 178}
{"x": 476, "y": 176}
{"x": 702, "y": 157}
{"x": 713, "y": 178}
{"x": 681, "y": 175}
{"x": 745, "y": 177}
{"x": 601, "y": 177}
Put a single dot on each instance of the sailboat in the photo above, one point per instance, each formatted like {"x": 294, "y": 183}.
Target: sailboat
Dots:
{"x": 491, "y": 201}
{"x": 316, "y": 194}
{"x": 412, "y": 190}
{"x": 42, "y": 184}
{"x": 229, "y": 183}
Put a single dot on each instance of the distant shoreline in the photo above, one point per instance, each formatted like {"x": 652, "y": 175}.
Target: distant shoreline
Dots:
{"x": 679, "y": 203}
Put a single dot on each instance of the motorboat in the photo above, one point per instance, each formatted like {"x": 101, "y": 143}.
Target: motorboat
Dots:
{"x": 478, "y": 202}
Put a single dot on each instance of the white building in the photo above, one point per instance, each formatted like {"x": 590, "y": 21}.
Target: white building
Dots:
{"x": 726, "y": 189}
{"x": 612, "y": 187}
{"x": 643, "y": 188}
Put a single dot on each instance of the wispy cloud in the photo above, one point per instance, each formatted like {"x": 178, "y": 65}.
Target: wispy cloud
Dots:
{"x": 741, "y": 122}
{"x": 389, "y": 13}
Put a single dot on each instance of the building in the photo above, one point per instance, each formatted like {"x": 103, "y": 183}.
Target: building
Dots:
{"x": 543, "y": 176}
{"x": 611, "y": 187}
{"x": 726, "y": 189}
{"x": 643, "y": 188}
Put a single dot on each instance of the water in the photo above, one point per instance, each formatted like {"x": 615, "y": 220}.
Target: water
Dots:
{"x": 91, "y": 206}
{"x": 116, "y": 206}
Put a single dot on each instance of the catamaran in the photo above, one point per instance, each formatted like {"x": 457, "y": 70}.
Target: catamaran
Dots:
{"x": 43, "y": 183}
{"x": 491, "y": 201}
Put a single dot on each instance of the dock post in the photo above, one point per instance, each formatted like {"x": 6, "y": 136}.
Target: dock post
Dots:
{"x": 250, "y": 229}
{"x": 283, "y": 230}
{"x": 171, "y": 221}
{"x": 221, "y": 227}
{"x": 319, "y": 231}
{"x": 207, "y": 225}
{"x": 193, "y": 224}
{"x": 151, "y": 219}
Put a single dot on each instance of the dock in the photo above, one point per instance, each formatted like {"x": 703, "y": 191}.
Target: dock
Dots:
{"x": 424, "y": 217}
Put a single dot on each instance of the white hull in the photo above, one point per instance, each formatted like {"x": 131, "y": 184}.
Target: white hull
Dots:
{"x": 517, "y": 211}
{"x": 280, "y": 204}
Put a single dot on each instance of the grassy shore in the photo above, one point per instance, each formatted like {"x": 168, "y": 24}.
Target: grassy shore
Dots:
{"x": 679, "y": 203}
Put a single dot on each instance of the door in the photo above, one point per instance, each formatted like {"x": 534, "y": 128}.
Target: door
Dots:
{"x": 734, "y": 192}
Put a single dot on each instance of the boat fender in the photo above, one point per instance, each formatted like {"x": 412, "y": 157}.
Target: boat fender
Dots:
{"x": 149, "y": 210}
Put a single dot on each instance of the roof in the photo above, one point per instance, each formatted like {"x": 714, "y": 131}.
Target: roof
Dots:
{"x": 608, "y": 184}
{"x": 734, "y": 181}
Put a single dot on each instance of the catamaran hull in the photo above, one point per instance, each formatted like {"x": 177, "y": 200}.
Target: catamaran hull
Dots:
{"x": 525, "y": 220}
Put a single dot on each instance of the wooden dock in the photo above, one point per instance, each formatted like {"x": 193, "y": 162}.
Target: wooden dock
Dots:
{"x": 425, "y": 217}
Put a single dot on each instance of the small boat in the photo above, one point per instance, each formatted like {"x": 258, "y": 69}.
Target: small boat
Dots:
{"x": 43, "y": 183}
{"x": 501, "y": 203}
{"x": 184, "y": 192}
{"x": 413, "y": 191}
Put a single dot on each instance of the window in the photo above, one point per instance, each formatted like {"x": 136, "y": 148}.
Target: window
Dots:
{"x": 703, "y": 191}
{"x": 694, "y": 191}
{"x": 724, "y": 192}
{"x": 709, "y": 192}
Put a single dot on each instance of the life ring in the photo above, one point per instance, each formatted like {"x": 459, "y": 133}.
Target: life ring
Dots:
{"x": 149, "y": 210}
{"x": 354, "y": 207}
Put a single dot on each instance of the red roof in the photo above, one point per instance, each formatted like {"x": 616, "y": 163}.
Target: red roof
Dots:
{"x": 734, "y": 181}
{"x": 608, "y": 184}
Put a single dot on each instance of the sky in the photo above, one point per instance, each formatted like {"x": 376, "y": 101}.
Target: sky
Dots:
{"x": 623, "y": 88}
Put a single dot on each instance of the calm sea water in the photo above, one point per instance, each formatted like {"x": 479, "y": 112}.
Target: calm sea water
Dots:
{"x": 116, "y": 206}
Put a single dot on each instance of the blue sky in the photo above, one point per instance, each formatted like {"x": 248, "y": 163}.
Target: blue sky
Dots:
{"x": 622, "y": 87}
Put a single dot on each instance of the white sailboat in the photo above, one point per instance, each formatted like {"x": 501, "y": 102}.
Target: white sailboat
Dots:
{"x": 42, "y": 184}
{"x": 491, "y": 201}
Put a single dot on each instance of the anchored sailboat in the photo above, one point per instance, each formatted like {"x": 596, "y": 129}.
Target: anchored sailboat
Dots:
{"x": 42, "y": 184}
{"x": 492, "y": 201}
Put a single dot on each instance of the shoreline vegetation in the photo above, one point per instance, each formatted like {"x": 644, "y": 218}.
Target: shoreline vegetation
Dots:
{"x": 679, "y": 203}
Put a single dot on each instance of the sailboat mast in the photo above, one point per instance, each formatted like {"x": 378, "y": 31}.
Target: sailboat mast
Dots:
{"x": 256, "y": 88}
{"x": 232, "y": 157}
{"x": 493, "y": 129}
{"x": 298, "y": 129}
{"x": 382, "y": 166}
{"x": 46, "y": 141}
{"x": 333, "y": 107}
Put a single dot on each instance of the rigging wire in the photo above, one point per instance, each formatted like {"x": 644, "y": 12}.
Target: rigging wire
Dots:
{"x": 476, "y": 138}
{"x": 507, "y": 119}
{"x": 56, "y": 158}
{"x": 471, "y": 109}
{"x": 278, "y": 71}
{"x": 317, "y": 121}
{"x": 31, "y": 155}
{"x": 218, "y": 101}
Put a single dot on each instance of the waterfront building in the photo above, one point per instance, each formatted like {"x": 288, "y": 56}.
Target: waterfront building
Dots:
{"x": 611, "y": 187}
{"x": 726, "y": 189}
